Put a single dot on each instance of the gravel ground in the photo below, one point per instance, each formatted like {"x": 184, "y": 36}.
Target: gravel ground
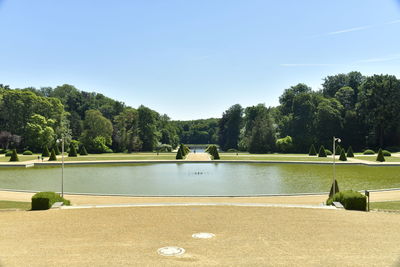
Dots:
{"x": 299, "y": 199}
{"x": 244, "y": 237}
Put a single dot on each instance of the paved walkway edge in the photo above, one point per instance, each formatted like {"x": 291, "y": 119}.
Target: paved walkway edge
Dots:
{"x": 200, "y": 204}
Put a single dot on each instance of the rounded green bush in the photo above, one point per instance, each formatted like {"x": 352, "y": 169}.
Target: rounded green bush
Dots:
{"x": 2, "y": 151}
{"x": 386, "y": 153}
{"x": 44, "y": 200}
{"x": 351, "y": 200}
{"x": 328, "y": 152}
{"x": 232, "y": 150}
{"x": 27, "y": 153}
{"x": 369, "y": 152}
{"x": 9, "y": 153}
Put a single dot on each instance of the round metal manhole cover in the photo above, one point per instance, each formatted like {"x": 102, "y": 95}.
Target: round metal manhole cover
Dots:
{"x": 171, "y": 251}
{"x": 203, "y": 235}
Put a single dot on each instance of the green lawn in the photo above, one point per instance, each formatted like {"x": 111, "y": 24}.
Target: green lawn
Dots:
{"x": 388, "y": 205}
{"x": 123, "y": 156}
{"x": 373, "y": 158}
{"x": 3, "y": 158}
{"x": 15, "y": 205}
{"x": 272, "y": 157}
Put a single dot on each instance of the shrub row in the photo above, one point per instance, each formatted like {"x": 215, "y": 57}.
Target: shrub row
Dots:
{"x": 326, "y": 152}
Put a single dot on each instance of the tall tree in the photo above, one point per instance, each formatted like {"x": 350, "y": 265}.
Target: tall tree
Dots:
{"x": 147, "y": 128}
{"x": 379, "y": 104}
{"x": 229, "y": 127}
{"x": 97, "y": 132}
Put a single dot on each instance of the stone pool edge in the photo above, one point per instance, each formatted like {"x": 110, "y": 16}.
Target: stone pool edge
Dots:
{"x": 111, "y": 162}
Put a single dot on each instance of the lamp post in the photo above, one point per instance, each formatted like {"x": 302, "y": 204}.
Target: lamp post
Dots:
{"x": 62, "y": 164}
{"x": 334, "y": 165}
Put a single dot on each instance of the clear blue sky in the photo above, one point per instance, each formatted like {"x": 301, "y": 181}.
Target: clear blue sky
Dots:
{"x": 194, "y": 59}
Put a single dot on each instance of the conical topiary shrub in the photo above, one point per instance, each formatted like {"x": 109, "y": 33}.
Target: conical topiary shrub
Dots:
{"x": 83, "y": 151}
{"x": 312, "y": 151}
{"x": 179, "y": 154}
{"x": 342, "y": 156}
{"x": 350, "y": 153}
{"x": 72, "y": 151}
{"x": 338, "y": 150}
{"x": 53, "y": 155}
{"x": 56, "y": 149}
{"x": 14, "y": 155}
{"x": 213, "y": 151}
{"x": 322, "y": 153}
{"x": 380, "y": 156}
{"x": 46, "y": 152}
{"x": 336, "y": 189}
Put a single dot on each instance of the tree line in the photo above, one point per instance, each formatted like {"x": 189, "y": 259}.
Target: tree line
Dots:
{"x": 362, "y": 110}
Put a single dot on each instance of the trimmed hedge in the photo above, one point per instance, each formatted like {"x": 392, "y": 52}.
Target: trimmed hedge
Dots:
{"x": 350, "y": 153}
{"x": 3, "y": 151}
{"x": 322, "y": 152}
{"x": 328, "y": 152}
{"x": 9, "y": 153}
{"x": 351, "y": 200}
{"x": 312, "y": 151}
{"x": 386, "y": 153}
{"x": 44, "y": 200}
{"x": 27, "y": 153}
{"x": 369, "y": 152}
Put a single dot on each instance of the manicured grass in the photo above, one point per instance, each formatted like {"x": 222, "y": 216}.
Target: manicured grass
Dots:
{"x": 3, "y": 158}
{"x": 373, "y": 158}
{"x": 123, "y": 156}
{"x": 387, "y": 205}
{"x": 15, "y": 205}
{"x": 272, "y": 157}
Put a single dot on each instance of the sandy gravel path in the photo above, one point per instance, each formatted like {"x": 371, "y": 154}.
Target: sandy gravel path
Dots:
{"x": 244, "y": 237}
{"x": 198, "y": 156}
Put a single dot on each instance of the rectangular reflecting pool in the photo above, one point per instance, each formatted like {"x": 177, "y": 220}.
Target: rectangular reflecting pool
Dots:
{"x": 189, "y": 179}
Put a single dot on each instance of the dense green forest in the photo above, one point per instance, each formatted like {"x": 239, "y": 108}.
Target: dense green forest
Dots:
{"x": 362, "y": 110}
